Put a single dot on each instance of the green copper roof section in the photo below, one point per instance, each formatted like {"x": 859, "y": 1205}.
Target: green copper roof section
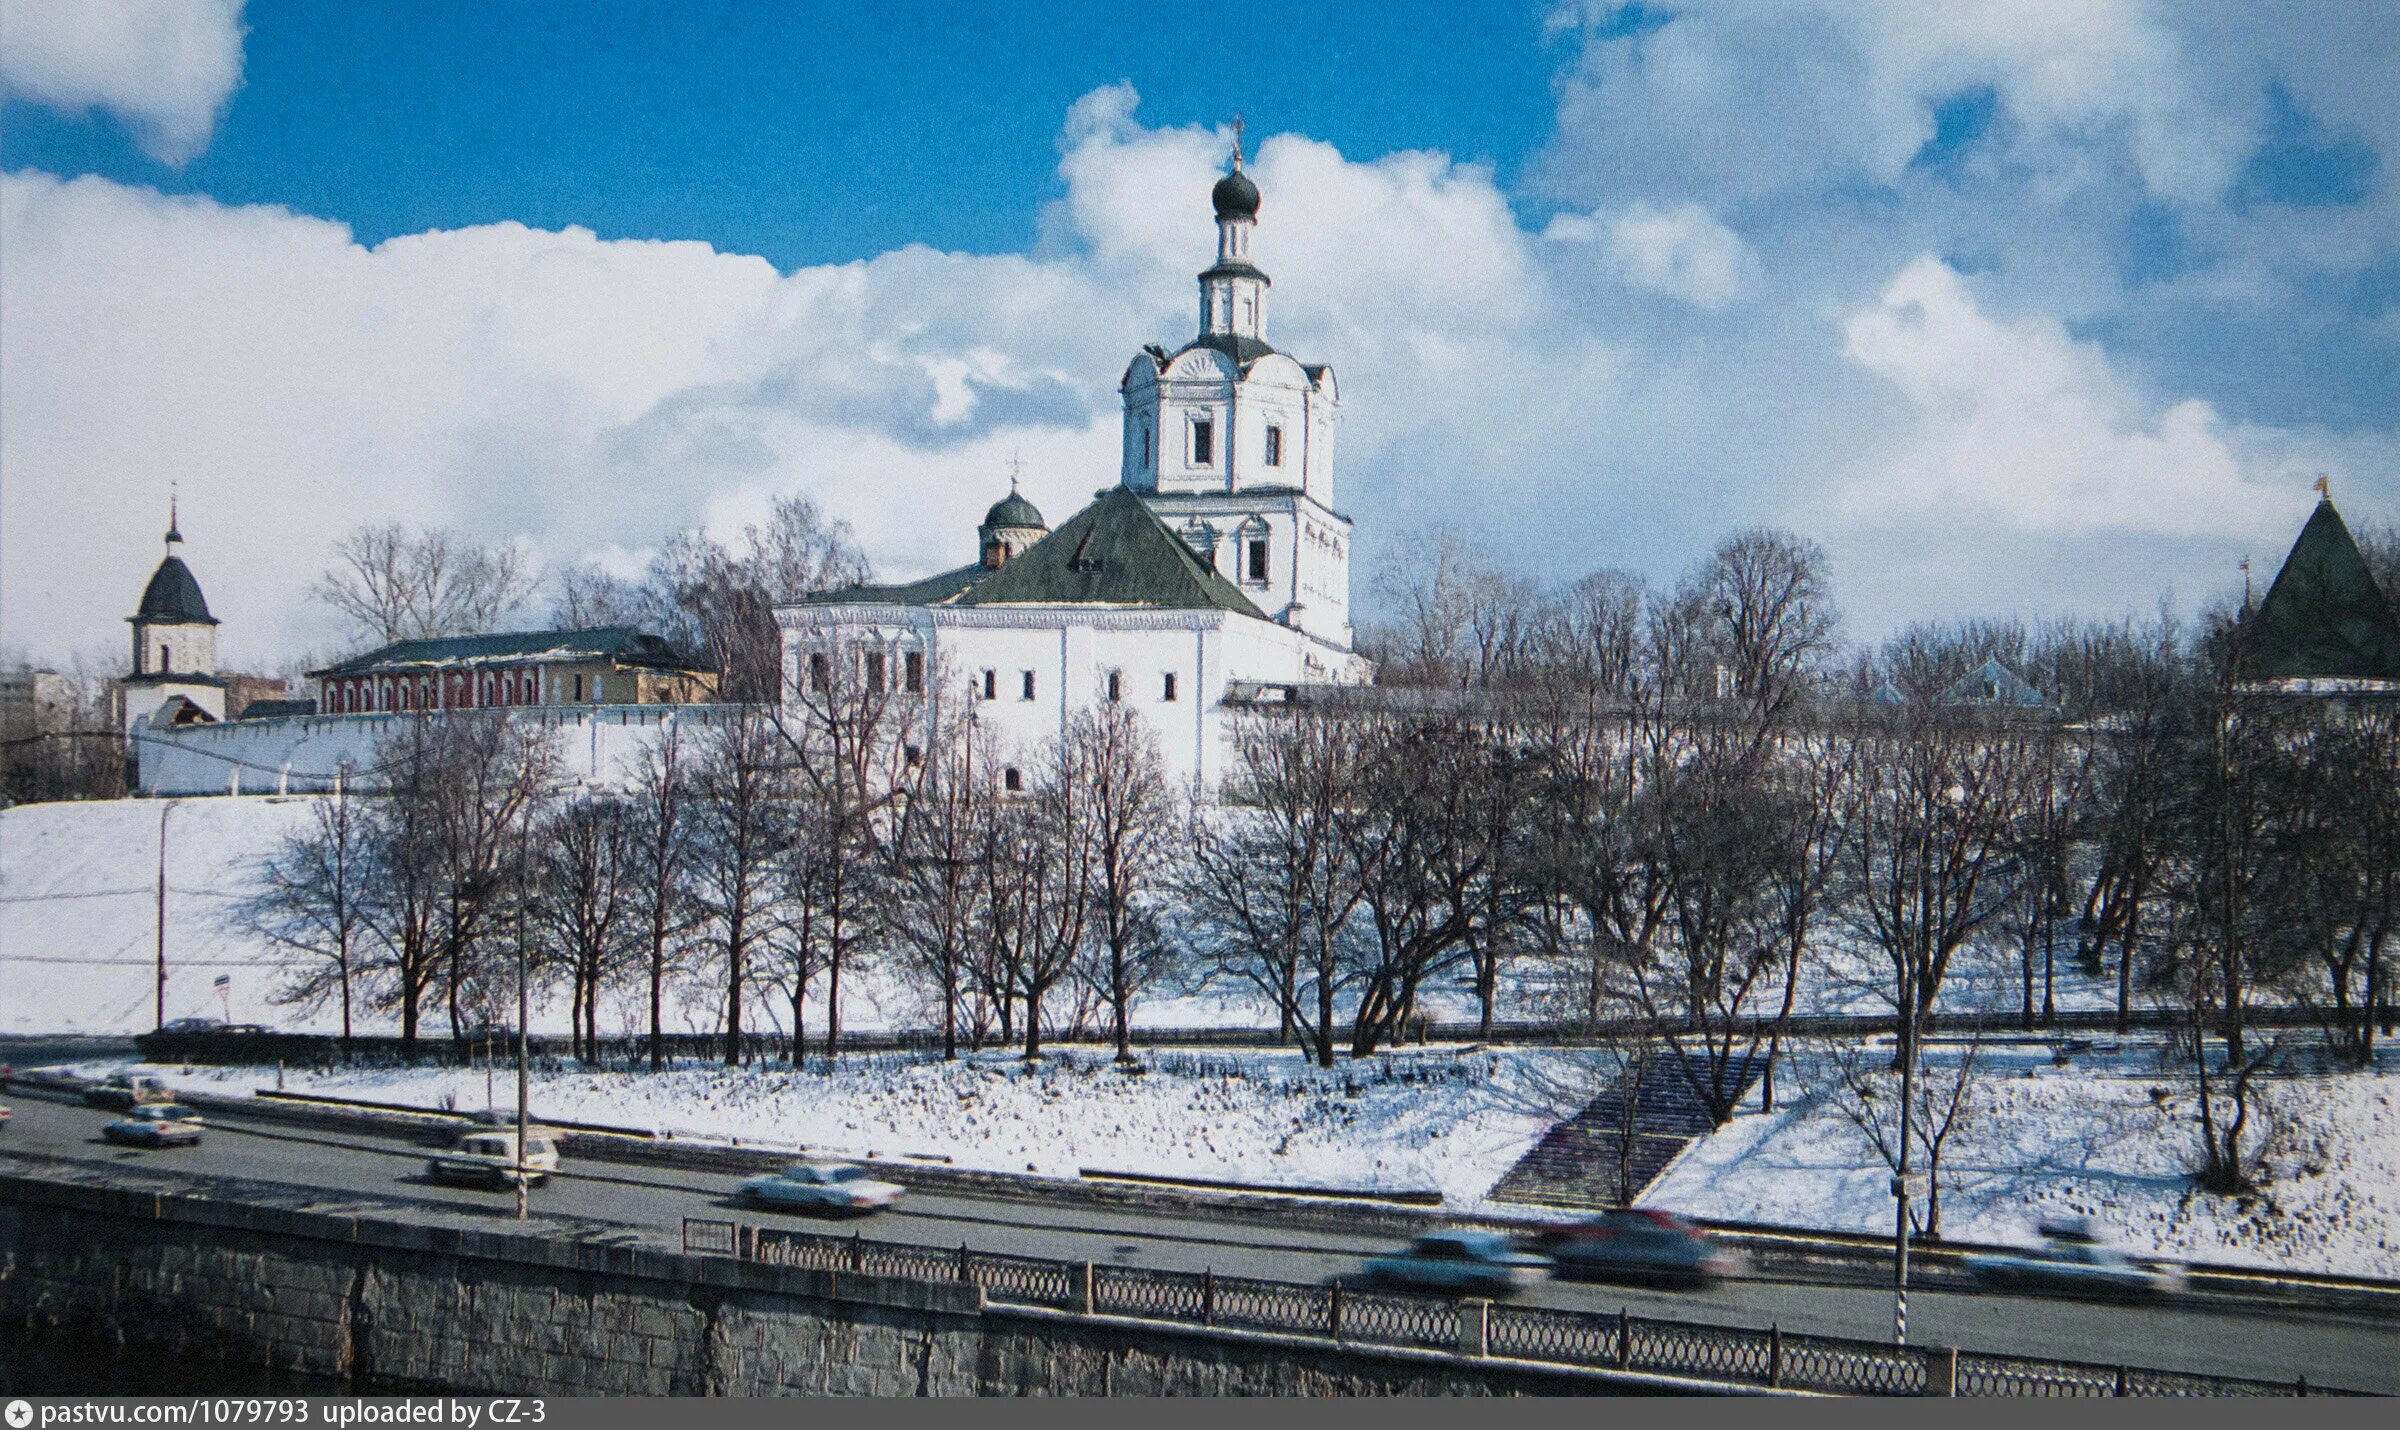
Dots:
{"x": 621, "y": 644}
{"x": 1114, "y": 552}
{"x": 2324, "y": 618}
{"x": 932, "y": 591}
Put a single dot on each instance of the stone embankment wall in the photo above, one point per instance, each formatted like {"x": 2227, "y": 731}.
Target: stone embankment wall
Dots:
{"x": 112, "y": 1289}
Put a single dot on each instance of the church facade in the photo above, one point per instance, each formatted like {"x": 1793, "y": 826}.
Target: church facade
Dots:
{"x": 1215, "y": 572}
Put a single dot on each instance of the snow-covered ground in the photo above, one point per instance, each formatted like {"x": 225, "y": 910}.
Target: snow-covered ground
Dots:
{"x": 1442, "y": 1119}
{"x": 2110, "y": 1138}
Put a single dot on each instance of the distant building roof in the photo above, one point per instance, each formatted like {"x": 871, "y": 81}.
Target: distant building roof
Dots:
{"x": 1114, "y": 552}
{"x": 1992, "y": 683}
{"x": 2324, "y": 618}
{"x": 620, "y": 645}
{"x": 173, "y": 597}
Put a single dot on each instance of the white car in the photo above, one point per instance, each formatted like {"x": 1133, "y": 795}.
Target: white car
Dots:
{"x": 2077, "y": 1263}
{"x": 490, "y": 1159}
{"x": 821, "y": 1186}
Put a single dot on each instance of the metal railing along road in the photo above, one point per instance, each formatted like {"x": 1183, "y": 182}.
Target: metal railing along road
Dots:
{"x": 1725, "y": 1355}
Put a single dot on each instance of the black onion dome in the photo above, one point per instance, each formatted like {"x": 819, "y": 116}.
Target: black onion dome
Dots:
{"x": 173, "y": 597}
{"x": 1235, "y": 196}
{"x": 1014, "y": 510}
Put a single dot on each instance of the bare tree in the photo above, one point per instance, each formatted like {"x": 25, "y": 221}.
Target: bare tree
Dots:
{"x": 720, "y": 598}
{"x": 1128, "y": 821}
{"x": 586, "y": 863}
{"x": 740, "y": 796}
{"x": 1949, "y": 1095}
{"x": 943, "y": 831}
{"x": 1042, "y": 883}
{"x": 1270, "y": 881}
{"x": 659, "y": 892}
{"x": 850, "y": 716}
{"x": 310, "y": 898}
{"x": 393, "y": 583}
{"x": 584, "y": 597}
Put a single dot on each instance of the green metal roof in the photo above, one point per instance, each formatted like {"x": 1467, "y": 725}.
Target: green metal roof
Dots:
{"x": 932, "y": 591}
{"x": 1114, "y": 552}
{"x": 2324, "y": 618}
{"x": 622, "y": 645}
{"x": 1014, "y": 510}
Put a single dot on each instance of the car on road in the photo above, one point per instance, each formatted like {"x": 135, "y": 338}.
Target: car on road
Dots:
{"x": 156, "y": 1124}
{"x": 821, "y": 1186}
{"x": 1638, "y": 1244}
{"x": 191, "y": 1025}
{"x": 2073, "y": 1256}
{"x": 3, "y": 1119}
{"x": 121, "y": 1091}
{"x": 1475, "y": 1262}
{"x": 490, "y": 1159}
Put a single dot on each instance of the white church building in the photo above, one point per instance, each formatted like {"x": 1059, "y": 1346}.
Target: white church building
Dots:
{"x": 1215, "y": 573}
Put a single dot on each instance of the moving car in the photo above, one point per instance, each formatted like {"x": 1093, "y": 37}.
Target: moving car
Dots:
{"x": 3, "y": 1119}
{"x": 1639, "y": 1244}
{"x": 191, "y": 1025}
{"x": 821, "y": 1186}
{"x": 2074, "y": 1257}
{"x": 1478, "y": 1262}
{"x": 490, "y": 1159}
{"x": 123, "y": 1090}
{"x": 156, "y": 1124}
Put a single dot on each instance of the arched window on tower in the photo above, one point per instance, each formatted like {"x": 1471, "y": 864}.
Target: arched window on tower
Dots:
{"x": 166, "y": 660}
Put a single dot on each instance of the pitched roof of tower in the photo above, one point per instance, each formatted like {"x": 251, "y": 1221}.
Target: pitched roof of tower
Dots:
{"x": 2324, "y": 618}
{"x": 173, "y": 597}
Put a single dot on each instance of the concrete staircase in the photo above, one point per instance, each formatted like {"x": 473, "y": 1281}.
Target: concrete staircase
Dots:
{"x": 1575, "y": 1165}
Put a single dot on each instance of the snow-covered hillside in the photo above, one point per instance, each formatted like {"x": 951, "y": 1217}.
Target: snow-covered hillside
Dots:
{"x": 2109, "y": 1138}
{"x": 79, "y": 912}
{"x": 1438, "y": 1118}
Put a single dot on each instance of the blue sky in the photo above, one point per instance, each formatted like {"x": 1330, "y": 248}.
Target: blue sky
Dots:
{"x": 802, "y": 133}
{"x": 2022, "y": 307}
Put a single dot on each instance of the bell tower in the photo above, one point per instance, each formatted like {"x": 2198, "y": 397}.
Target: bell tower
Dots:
{"x": 174, "y": 639}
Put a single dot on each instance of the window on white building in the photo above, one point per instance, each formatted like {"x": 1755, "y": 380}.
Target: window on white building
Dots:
{"x": 1166, "y": 690}
{"x": 1204, "y": 443}
{"x": 578, "y": 688}
{"x": 1025, "y": 691}
{"x": 912, "y": 672}
{"x": 1012, "y": 780}
{"x": 1116, "y": 687}
{"x": 820, "y": 672}
{"x": 1256, "y": 568}
{"x": 991, "y": 685}
{"x": 1274, "y": 446}
{"x": 875, "y": 665}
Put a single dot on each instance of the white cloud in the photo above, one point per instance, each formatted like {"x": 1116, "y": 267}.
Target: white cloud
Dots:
{"x": 2018, "y": 421}
{"x": 1737, "y": 99}
{"x": 1680, "y": 251}
{"x": 164, "y": 67}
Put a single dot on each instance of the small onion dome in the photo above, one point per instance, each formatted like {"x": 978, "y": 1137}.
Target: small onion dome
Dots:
{"x": 1014, "y": 510}
{"x": 1235, "y": 196}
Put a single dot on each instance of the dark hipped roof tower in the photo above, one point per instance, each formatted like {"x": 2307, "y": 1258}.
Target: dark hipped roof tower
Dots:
{"x": 2325, "y": 618}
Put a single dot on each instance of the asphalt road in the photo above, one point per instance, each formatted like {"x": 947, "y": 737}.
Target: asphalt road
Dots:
{"x": 2329, "y": 1348}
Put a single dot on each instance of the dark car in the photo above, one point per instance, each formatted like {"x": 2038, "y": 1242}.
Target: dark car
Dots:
{"x": 192, "y": 1025}
{"x": 1638, "y": 1244}
{"x": 124, "y": 1090}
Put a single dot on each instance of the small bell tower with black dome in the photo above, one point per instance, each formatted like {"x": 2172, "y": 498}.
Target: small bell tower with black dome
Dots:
{"x": 174, "y": 640}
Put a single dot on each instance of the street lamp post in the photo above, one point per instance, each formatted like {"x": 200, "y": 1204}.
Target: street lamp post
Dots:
{"x": 1901, "y": 1176}
{"x": 524, "y": 1119}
